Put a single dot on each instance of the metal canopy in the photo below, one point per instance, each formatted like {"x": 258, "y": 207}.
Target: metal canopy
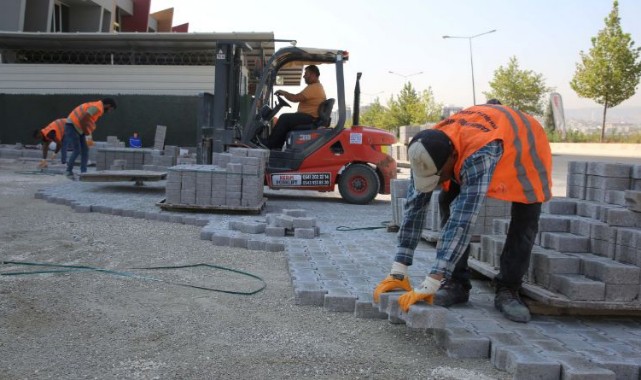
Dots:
{"x": 258, "y": 47}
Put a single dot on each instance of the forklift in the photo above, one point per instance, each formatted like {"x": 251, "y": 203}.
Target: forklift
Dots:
{"x": 317, "y": 157}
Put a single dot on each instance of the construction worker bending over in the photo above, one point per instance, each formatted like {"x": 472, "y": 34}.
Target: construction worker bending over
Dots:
{"x": 53, "y": 132}
{"x": 486, "y": 150}
{"x": 80, "y": 123}
{"x": 308, "y": 101}
{"x": 135, "y": 141}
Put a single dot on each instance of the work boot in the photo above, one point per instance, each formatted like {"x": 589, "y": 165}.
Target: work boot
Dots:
{"x": 509, "y": 303}
{"x": 452, "y": 293}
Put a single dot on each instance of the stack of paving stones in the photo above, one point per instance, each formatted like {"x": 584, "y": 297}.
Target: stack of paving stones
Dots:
{"x": 235, "y": 180}
{"x": 339, "y": 270}
{"x": 114, "y": 142}
{"x": 19, "y": 151}
{"x": 264, "y": 235}
{"x": 588, "y": 249}
{"x": 406, "y": 133}
{"x": 137, "y": 158}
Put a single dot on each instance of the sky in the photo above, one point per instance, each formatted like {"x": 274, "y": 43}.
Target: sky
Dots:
{"x": 406, "y": 38}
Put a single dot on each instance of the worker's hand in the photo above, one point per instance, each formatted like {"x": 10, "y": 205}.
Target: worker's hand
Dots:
{"x": 410, "y": 298}
{"x": 426, "y": 293}
{"x": 42, "y": 164}
{"x": 391, "y": 283}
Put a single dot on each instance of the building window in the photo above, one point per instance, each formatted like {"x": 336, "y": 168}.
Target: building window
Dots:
{"x": 60, "y": 18}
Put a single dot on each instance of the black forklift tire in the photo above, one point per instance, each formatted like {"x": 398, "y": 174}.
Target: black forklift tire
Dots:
{"x": 358, "y": 184}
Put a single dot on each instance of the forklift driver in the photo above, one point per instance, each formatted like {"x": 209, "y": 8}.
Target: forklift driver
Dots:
{"x": 308, "y": 101}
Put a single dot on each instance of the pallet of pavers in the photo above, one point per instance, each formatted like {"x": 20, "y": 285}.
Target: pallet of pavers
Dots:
{"x": 137, "y": 176}
{"x": 587, "y": 253}
{"x": 234, "y": 182}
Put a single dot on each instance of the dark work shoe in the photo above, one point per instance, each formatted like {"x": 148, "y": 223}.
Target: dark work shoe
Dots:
{"x": 452, "y": 293}
{"x": 509, "y": 303}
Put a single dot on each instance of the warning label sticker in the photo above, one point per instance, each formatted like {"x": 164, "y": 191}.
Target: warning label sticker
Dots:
{"x": 301, "y": 179}
{"x": 356, "y": 138}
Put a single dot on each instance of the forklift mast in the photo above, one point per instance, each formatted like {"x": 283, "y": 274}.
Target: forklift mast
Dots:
{"x": 219, "y": 113}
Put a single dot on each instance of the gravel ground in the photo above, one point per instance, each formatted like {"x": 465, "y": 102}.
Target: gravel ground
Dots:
{"x": 95, "y": 325}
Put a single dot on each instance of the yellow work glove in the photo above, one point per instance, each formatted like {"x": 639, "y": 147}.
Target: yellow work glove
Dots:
{"x": 391, "y": 283}
{"x": 425, "y": 293}
{"x": 42, "y": 164}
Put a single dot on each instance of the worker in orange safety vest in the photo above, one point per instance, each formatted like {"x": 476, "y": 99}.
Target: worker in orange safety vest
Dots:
{"x": 483, "y": 151}
{"x": 52, "y": 133}
{"x": 80, "y": 123}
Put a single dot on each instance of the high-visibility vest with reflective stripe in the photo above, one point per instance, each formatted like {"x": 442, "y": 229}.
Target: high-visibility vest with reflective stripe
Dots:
{"x": 77, "y": 114}
{"x": 524, "y": 172}
{"x": 58, "y": 126}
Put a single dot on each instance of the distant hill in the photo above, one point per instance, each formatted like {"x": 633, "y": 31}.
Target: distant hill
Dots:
{"x": 615, "y": 115}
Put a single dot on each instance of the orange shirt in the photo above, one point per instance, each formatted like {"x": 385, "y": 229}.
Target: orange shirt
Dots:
{"x": 314, "y": 95}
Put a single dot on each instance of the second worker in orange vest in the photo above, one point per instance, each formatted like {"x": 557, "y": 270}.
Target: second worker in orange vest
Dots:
{"x": 80, "y": 123}
{"x": 53, "y": 132}
{"x": 483, "y": 151}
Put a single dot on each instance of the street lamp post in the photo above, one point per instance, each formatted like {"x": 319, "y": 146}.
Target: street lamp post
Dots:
{"x": 469, "y": 38}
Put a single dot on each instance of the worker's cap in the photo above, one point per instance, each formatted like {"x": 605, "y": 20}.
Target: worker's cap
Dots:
{"x": 428, "y": 152}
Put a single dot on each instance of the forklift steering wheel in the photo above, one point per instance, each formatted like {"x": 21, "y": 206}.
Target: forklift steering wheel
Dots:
{"x": 281, "y": 102}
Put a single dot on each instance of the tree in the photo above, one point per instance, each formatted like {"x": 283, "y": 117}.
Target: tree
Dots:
{"x": 407, "y": 108}
{"x": 610, "y": 72}
{"x": 524, "y": 90}
{"x": 375, "y": 116}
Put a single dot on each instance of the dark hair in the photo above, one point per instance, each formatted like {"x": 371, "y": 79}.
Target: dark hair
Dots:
{"x": 494, "y": 101}
{"x": 313, "y": 69}
{"x": 109, "y": 101}
{"x": 36, "y": 134}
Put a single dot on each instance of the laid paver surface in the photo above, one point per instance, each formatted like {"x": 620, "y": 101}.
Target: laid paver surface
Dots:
{"x": 339, "y": 270}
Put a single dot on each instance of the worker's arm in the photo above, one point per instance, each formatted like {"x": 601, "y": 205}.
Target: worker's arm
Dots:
{"x": 476, "y": 174}
{"x": 292, "y": 97}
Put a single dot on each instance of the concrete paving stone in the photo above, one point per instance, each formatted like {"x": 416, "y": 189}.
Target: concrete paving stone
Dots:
{"x": 575, "y": 192}
{"x": 274, "y": 231}
{"x": 523, "y": 363}
{"x": 609, "y": 271}
{"x": 624, "y": 368}
{"x": 623, "y": 349}
{"x": 588, "y": 209}
{"x": 622, "y": 217}
{"x": 461, "y": 343}
{"x": 206, "y": 234}
{"x": 339, "y": 301}
{"x": 363, "y": 308}
{"x": 577, "y": 287}
{"x": 129, "y": 213}
{"x": 304, "y": 222}
{"x": 425, "y": 316}
{"x": 611, "y": 170}
{"x": 487, "y": 325}
{"x": 220, "y": 240}
{"x": 304, "y": 233}
{"x": 256, "y": 245}
{"x": 498, "y": 357}
{"x": 81, "y": 208}
{"x": 310, "y": 294}
{"x": 616, "y": 197}
{"x": 559, "y": 206}
{"x": 529, "y": 333}
{"x": 297, "y": 213}
{"x": 553, "y": 262}
{"x": 238, "y": 241}
{"x": 548, "y": 346}
{"x": 564, "y": 242}
{"x": 627, "y": 255}
{"x": 576, "y": 367}
{"x": 393, "y": 309}
{"x": 548, "y": 223}
{"x": 595, "y": 337}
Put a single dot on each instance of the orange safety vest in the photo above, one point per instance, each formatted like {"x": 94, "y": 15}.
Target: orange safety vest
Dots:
{"x": 58, "y": 126}
{"x": 524, "y": 172}
{"x": 76, "y": 116}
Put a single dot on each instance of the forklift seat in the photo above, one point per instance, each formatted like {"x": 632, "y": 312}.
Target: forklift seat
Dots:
{"x": 324, "y": 114}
